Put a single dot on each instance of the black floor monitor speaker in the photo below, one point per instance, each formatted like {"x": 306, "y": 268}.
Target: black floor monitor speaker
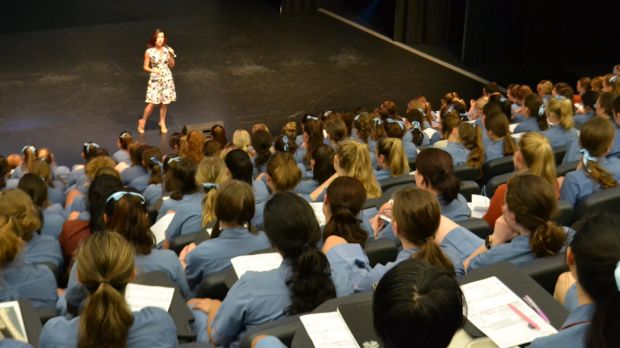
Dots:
{"x": 204, "y": 127}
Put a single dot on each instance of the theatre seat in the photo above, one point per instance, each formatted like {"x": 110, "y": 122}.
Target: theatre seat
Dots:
{"x": 217, "y": 284}
{"x": 491, "y": 186}
{"x": 388, "y": 183}
{"x": 563, "y": 169}
{"x": 546, "y": 270}
{"x": 497, "y": 167}
{"x": 469, "y": 188}
{"x": 463, "y": 172}
{"x": 179, "y": 242}
{"x": 606, "y": 201}
{"x": 565, "y": 213}
{"x": 478, "y": 226}
{"x": 381, "y": 251}
{"x": 284, "y": 329}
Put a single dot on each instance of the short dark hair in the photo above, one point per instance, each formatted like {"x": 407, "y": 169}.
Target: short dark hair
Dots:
{"x": 240, "y": 165}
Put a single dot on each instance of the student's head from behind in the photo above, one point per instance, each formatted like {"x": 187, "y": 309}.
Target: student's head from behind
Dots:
{"x": 536, "y": 155}
{"x": 344, "y": 199}
{"x": 10, "y": 243}
{"x": 394, "y": 127}
{"x": 336, "y": 128}
{"x": 470, "y": 136}
{"x": 596, "y": 139}
{"x": 284, "y": 143}
{"x": 100, "y": 189}
{"x": 95, "y": 165}
{"x": 435, "y": 173}
{"x": 544, "y": 88}
{"x": 240, "y": 165}
{"x": 234, "y": 204}
{"x": 261, "y": 142}
{"x": 35, "y": 187}
{"x": 353, "y": 159}
{"x": 530, "y": 207}
{"x": 180, "y": 178}
{"x": 124, "y": 140}
{"x": 241, "y": 139}
{"x": 292, "y": 228}
{"x": 560, "y": 112}
{"x": 322, "y": 163}
{"x": 391, "y": 156}
{"x": 126, "y": 215}
{"x": 283, "y": 174}
{"x": 604, "y": 104}
{"x": 417, "y": 305}
{"x": 210, "y": 175}
{"x": 175, "y": 142}
{"x": 219, "y": 133}
{"x": 594, "y": 260}
{"x": 105, "y": 264}
{"x": 193, "y": 146}
{"x": 18, "y": 207}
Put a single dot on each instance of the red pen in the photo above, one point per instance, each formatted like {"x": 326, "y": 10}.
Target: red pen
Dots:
{"x": 531, "y": 323}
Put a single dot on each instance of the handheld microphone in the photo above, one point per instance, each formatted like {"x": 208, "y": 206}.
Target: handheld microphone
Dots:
{"x": 170, "y": 49}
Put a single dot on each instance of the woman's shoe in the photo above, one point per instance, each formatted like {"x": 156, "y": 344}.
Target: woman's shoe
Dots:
{"x": 141, "y": 124}
{"x": 162, "y": 128}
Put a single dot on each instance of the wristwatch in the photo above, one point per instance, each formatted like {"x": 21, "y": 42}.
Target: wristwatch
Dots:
{"x": 488, "y": 242}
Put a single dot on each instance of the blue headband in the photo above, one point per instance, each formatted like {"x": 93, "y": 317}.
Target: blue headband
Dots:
{"x": 29, "y": 148}
{"x": 377, "y": 121}
{"x": 541, "y": 110}
{"x": 585, "y": 158}
{"x": 400, "y": 123}
{"x": 416, "y": 125}
{"x": 285, "y": 140}
{"x": 155, "y": 160}
{"x": 208, "y": 186}
{"x": 95, "y": 145}
{"x": 120, "y": 194}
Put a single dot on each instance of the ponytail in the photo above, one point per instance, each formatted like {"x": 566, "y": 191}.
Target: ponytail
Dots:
{"x": 208, "y": 203}
{"x": 471, "y": 138}
{"x": 10, "y": 244}
{"x": 599, "y": 174}
{"x": 437, "y": 169}
{"x": 596, "y": 137}
{"x": 151, "y": 160}
{"x": 105, "y": 266}
{"x": 510, "y": 146}
{"x": 547, "y": 239}
{"x": 497, "y": 123}
{"x": 345, "y": 197}
{"x": 392, "y": 149}
{"x": 345, "y": 224}
{"x": 432, "y": 254}
{"x": 311, "y": 282}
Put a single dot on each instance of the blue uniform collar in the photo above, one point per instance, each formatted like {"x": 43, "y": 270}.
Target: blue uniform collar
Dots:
{"x": 234, "y": 232}
{"x": 405, "y": 254}
{"x": 580, "y": 315}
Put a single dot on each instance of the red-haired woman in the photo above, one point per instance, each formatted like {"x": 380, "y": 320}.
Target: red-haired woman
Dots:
{"x": 158, "y": 59}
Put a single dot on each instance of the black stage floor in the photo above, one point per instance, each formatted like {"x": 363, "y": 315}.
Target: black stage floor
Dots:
{"x": 239, "y": 61}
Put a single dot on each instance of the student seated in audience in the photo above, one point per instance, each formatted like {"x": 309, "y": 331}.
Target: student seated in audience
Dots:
{"x": 395, "y": 128}
{"x": 126, "y": 215}
{"x": 242, "y": 140}
{"x": 75, "y": 231}
{"x": 596, "y": 171}
{"x": 29, "y": 155}
{"x": 535, "y": 156}
{"x": 4, "y": 172}
{"x": 185, "y": 198}
{"x": 299, "y": 285}
{"x": 18, "y": 206}
{"x": 545, "y": 89}
{"x": 343, "y": 203}
{"x": 312, "y": 138}
{"x": 435, "y": 173}
{"x": 336, "y": 130}
{"x": 105, "y": 265}
{"x": 153, "y": 191}
{"x": 21, "y": 279}
{"x": 232, "y": 235}
{"x": 465, "y": 145}
{"x": 322, "y": 164}
{"x": 352, "y": 159}
{"x": 219, "y": 133}
{"x": 593, "y": 259}
{"x": 192, "y": 147}
{"x": 282, "y": 175}
{"x": 55, "y": 188}
{"x": 211, "y": 174}
{"x": 363, "y": 129}
{"x": 611, "y": 84}
{"x": 533, "y": 119}
{"x": 141, "y": 182}
{"x": 499, "y": 142}
{"x": 423, "y": 232}
{"x": 122, "y": 155}
{"x": 75, "y": 205}
{"x": 136, "y": 169}
{"x": 261, "y": 143}
{"x": 588, "y": 100}
{"x": 561, "y": 131}
{"x": 391, "y": 159}
{"x": 415, "y": 125}
{"x": 449, "y": 121}
{"x": 53, "y": 215}
{"x": 240, "y": 166}
{"x": 526, "y": 229}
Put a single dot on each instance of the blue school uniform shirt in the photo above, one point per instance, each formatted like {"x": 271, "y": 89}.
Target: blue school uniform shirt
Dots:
{"x": 261, "y": 192}
{"x": 559, "y": 136}
{"x": 151, "y": 328}
{"x": 188, "y": 217}
{"x": 493, "y": 149}
{"x": 578, "y": 184}
{"x": 572, "y": 152}
{"x": 141, "y": 182}
{"x": 411, "y": 151}
{"x": 35, "y": 283}
{"x": 581, "y": 119}
{"x": 44, "y": 250}
{"x": 10, "y": 343}
{"x": 255, "y": 299}
{"x": 615, "y": 148}
{"x": 53, "y": 219}
{"x": 269, "y": 342}
{"x": 258, "y": 170}
{"x": 457, "y": 210}
{"x": 56, "y": 194}
{"x": 573, "y": 331}
{"x": 214, "y": 255}
{"x": 122, "y": 156}
{"x": 458, "y": 245}
{"x": 529, "y": 124}
{"x": 458, "y": 152}
{"x": 382, "y": 174}
{"x": 153, "y": 193}
{"x": 518, "y": 252}
{"x": 75, "y": 175}
{"x": 299, "y": 154}
{"x": 306, "y": 186}
{"x": 129, "y": 174}
{"x": 158, "y": 260}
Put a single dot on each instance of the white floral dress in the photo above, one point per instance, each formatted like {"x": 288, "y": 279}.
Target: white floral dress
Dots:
{"x": 160, "y": 89}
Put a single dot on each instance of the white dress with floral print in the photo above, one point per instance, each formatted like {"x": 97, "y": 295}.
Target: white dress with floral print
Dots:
{"x": 160, "y": 89}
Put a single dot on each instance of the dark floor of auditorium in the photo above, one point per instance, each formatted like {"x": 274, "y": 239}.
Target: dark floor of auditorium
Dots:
{"x": 239, "y": 61}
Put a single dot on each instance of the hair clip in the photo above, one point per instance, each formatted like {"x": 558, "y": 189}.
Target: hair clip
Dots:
{"x": 285, "y": 141}
{"x": 617, "y": 275}
{"x": 124, "y": 134}
{"x": 502, "y": 99}
{"x": 464, "y": 115}
{"x": 613, "y": 79}
{"x": 172, "y": 159}
{"x": 357, "y": 117}
{"x": 30, "y": 148}
{"x": 586, "y": 157}
{"x": 95, "y": 145}
{"x": 420, "y": 110}
{"x": 400, "y": 123}
{"x": 310, "y": 117}
{"x": 327, "y": 113}
{"x": 450, "y": 108}
{"x": 416, "y": 125}
{"x": 120, "y": 194}
{"x": 155, "y": 160}
{"x": 377, "y": 121}
{"x": 541, "y": 110}
{"x": 208, "y": 186}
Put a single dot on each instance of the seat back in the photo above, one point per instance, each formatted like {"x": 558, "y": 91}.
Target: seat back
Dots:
{"x": 605, "y": 201}
{"x": 469, "y": 188}
{"x": 565, "y": 213}
{"x": 217, "y": 284}
{"x": 388, "y": 183}
{"x": 563, "y": 169}
{"x": 284, "y": 329}
{"x": 464, "y": 172}
{"x": 546, "y": 270}
{"x": 491, "y": 186}
{"x": 559, "y": 153}
{"x": 497, "y": 167}
{"x": 478, "y": 226}
{"x": 381, "y": 251}
{"x": 179, "y": 242}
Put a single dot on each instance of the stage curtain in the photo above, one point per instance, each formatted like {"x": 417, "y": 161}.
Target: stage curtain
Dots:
{"x": 291, "y": 6}
{"x": 425, "y": 21}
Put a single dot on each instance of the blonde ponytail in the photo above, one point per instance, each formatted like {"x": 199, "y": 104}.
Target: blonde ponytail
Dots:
{"x": 392, "y": 149}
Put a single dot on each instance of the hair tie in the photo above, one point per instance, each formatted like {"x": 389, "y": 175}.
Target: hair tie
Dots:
{"x": 464, "y": 115}
{"x": 327, "y": 113}
{"x": 586, "y": 157}
{"x": 29, "y": 148}
{"x": 613, "y": 79}
{"x": 541, "y": 110}
{"x": 124, "y": 134}
{"x": 285, "y": 140}
{"x": 310, "y": 117}
{"x": 617, "y": 275}
{"x": 400, "y": 123}
{"x": 450, "y": 108}
{"x": 420, "y": 110}
{"x": 377, "y": 121}
{"x": 208, "y": 186}
{"x": 416, "y": 125}
{"x": 155, "y": 160}
{"x": 502, "y": 99}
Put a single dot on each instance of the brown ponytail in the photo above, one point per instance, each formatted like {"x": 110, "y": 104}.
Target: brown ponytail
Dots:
{"x": 10, "y": 244}
{"x": 346, "y": 196}
{"x": 471, "y": 138}
{"x": 596, "y": 137}
{"x": 533, "y": 201}
{"x": 417, "y": 215}
{"x": 498, "y": 124}
{"x": 105, "y": 266}
{"x": 19, "y": 208}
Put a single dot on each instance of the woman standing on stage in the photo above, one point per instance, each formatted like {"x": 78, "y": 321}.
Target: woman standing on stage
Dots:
{"x": 158, "y": 59}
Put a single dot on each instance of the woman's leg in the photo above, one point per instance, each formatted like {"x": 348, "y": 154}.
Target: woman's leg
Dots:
{"x": 163, "y": 109}
{"x": 145, "y": 116}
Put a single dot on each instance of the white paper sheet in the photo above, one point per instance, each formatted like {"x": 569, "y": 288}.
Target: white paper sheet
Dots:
{"x": 11, "y": 321}
{"x": 517, "y": 136}
{"x": 257, "y": 263}
{"x": 479, "y": 205}
{"x": 488, "y": 309}
{"x": 318, "y": 212}
{"x": 159, "y": 228}
{"x": 429, "y": 132}
{"x": 512, "y": 127}
{"x": 328, "y": 330}
{"x": 139, "y": 296}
